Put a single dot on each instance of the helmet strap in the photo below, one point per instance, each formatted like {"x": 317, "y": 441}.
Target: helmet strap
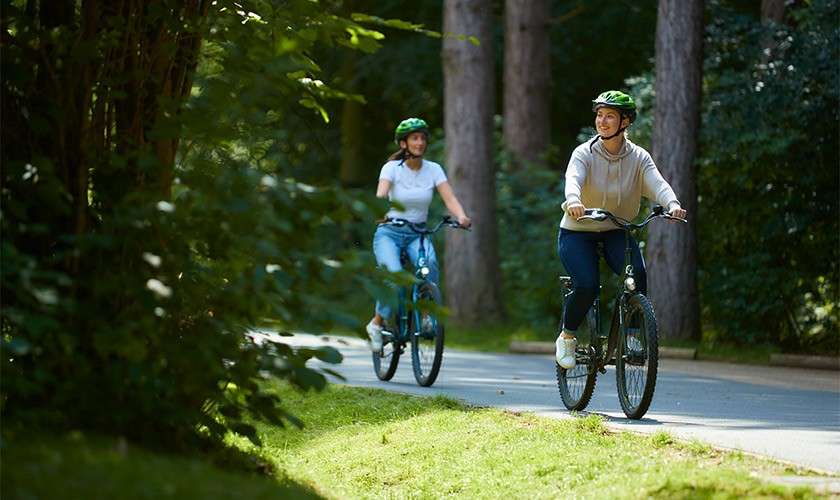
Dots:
{"x": 620, "y": 130}
{"x": 407, "y": 155}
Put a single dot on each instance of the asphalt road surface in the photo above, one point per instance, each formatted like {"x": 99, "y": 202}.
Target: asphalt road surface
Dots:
{"x": 785, "y": 413}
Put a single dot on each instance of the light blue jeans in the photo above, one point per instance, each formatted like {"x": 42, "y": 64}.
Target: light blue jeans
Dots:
{"x": 388, "y": 242}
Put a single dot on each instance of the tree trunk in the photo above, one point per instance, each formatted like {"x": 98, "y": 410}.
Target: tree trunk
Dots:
{"x": 773, "y": 10}
{"x": 472, "y": 270}
{"x": 527, "y": 123}
{"x": 671, "y": 248}
{"x": 353, "y": 172}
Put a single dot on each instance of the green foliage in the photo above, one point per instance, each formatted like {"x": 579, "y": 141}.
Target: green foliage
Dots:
{"x": 529, "y": 214}
{"x": 130, "y": 280}
{"x": 594, "y": 46}
{"x": 768, "y": 179}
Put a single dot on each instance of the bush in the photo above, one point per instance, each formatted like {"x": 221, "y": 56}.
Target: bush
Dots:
{"x": 768, "y": 179}
{"x": 130, "y": 278}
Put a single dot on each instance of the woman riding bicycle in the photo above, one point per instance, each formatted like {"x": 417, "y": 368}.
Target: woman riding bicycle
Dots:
{"x": 609, "y": 172}
{"x": 409, "y": 180}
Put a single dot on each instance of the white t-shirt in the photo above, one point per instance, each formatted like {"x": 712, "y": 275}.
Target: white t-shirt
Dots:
{"x": 413, "y": 189}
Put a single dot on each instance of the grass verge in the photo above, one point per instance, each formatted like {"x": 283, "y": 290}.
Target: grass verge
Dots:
{"x": 77, "y": 466}
{"x": 492, "y": 337}
{"x": 363, "y": 443}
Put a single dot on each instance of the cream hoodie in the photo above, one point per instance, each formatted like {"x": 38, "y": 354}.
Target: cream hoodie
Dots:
{"x": 616, "y": 183}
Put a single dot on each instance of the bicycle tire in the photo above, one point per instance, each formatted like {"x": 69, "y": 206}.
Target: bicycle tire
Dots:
{"x": 637, "y": 361}
{"x": 577, "y": 384}
{"x": 386, "y": 360}
{"x": 427, "y": 336}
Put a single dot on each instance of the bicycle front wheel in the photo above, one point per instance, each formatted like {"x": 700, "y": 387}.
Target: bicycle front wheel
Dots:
{"x": 637, "y": 357}
{"x": 385, "y": 361}
{"x": 577, "y": 384}
{"x": 426, "y": 335}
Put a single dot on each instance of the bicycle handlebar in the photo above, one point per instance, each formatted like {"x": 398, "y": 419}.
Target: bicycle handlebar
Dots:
{"x": 599, "y": 214}
{"x": 445, "y": 220}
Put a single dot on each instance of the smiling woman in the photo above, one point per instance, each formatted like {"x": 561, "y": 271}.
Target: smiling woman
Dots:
{"x": 409, "y": 180}
{"x": 607, "y": 172}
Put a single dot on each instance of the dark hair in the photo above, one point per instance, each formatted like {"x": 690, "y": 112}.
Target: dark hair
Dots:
{"x": 398, "y": 155}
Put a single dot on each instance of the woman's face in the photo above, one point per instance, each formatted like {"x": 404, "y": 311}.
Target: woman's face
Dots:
{"x": 416, "y": 143}
{"x": 607, "y": 121}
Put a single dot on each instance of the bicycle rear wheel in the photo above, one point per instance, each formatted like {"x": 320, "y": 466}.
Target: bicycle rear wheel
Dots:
{"x": 577, "y": 384}
{"x": 637, "y": 357}
{"x": 386, "y": 360}
{"x": 426, "y": 335}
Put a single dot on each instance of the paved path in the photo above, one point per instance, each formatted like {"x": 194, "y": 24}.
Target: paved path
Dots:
{"x": 785, "y": 413}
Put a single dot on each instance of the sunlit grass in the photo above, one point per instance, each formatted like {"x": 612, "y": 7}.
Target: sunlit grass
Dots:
{"x": 366, "y": 443}
{"x": 363, "y": 443}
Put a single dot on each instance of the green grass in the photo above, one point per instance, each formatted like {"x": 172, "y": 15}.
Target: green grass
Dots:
{"x": 77, "y": 466}
{"x": 722, "y": 351}
{"x": 492, "y": 338}
{"x": 363, "y": 443}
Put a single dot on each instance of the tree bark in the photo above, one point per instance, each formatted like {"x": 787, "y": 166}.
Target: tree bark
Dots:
{"x": 772, "y": 10}
{"x": 352, "y": 172}
{"x": 472, "y": 268}
{"x": 527, "y": 123}
{"x": 672, "y": 249}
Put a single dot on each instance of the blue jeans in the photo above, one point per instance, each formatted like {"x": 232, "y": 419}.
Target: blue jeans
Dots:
{"x": 579, "y": 254}
{"x": 388, "y": 242}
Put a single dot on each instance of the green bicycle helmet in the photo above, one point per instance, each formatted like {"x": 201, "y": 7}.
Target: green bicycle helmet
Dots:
{"x": 408, "y": 126}
{"x": 616, "y": 99}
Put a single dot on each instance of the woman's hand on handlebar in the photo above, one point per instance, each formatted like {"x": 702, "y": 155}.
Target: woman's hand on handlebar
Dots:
{"x": 677, "y": 213}
{"x": 576, "y": 210}
{"x": 464, "y": 221}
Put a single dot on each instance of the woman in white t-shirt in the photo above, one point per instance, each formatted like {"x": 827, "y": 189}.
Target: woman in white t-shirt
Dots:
{"x": 411, "y": 181}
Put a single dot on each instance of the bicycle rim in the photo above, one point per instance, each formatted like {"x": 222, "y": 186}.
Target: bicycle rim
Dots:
{"x": 637, "y": 357}
{"x": 385, "y": 361}
{"x": 426, "y": 337}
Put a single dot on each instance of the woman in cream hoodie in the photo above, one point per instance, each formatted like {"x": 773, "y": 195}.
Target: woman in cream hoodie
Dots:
{"x": 612, "y": 173}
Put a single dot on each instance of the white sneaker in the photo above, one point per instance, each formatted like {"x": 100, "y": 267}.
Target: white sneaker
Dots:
{"x": 374, "y": 331}
{"x": 633, "y": 342}
{"x": 565, "y": 353}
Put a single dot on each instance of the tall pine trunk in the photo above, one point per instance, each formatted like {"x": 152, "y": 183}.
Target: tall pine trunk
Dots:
{"x": 472, "y": 268}
{"x": 672, "y": 248}
{"x": 527, "y": 123}
{"x": 352, "y": 171}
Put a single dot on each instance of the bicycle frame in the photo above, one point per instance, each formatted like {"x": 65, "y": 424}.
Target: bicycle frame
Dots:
{"x": 604, "y": 357}
{"x": 421, "y": 273}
